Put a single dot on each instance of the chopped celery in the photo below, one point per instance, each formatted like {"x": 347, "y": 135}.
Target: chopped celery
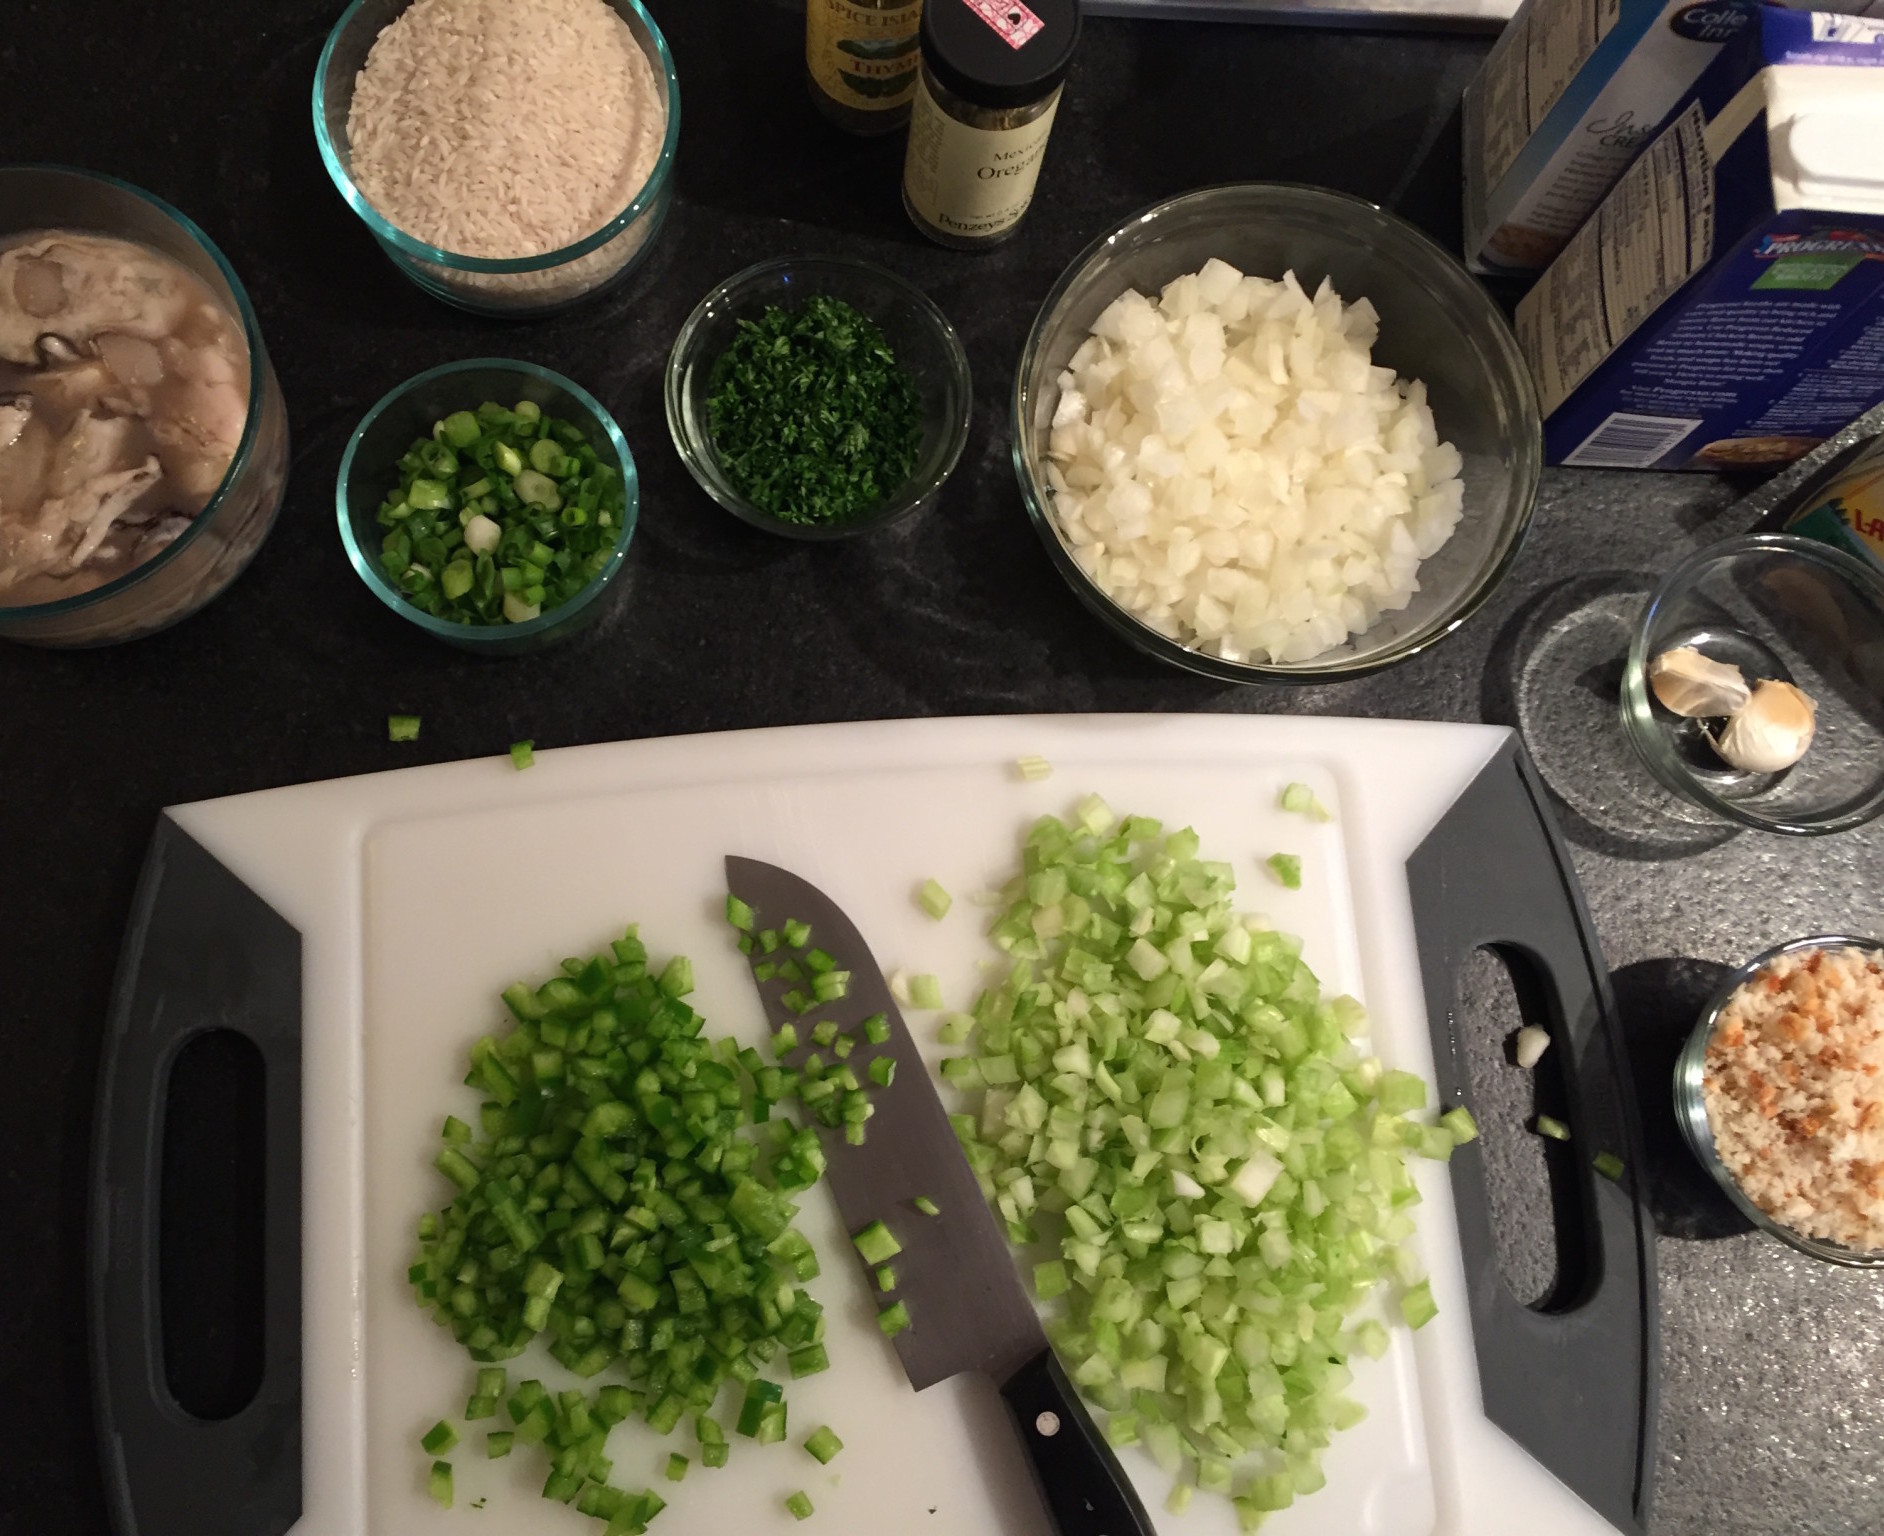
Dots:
{"x": 439, "y": 1439}
{"x": 1287, "y": 868}
{"x": 1608, "y": 1165}
{"x": 522, "y": 754}
{"x": 893, "y": 1319}
{"x": 934, "y": 900}
{"x": 886, "y": 1278}
{"x": 1033, "y": 769}
{"x": 1158, "y": 1088}
{"x": 1417, "y": 1307}
{"x": 799, "y": 1504}
{"x": 925, "y": 992}
{"x": 1460, "y": 1125}
{"x": 402, "y": 727}
{"x": 677, "y": 1465}
{"x": 1299, "y": 800}
{"x": 823, "y": 1444}
{"x": 438, "y": 1484}
{"x": 927, "y": 1206}
{"x": 1555, "y": 1129}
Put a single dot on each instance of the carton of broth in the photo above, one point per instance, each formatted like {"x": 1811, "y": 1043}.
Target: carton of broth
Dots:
{"x": 1565, "y": 99}
{"x": 1724, "y": 305}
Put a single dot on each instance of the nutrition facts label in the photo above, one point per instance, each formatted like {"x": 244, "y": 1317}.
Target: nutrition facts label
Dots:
{"x": 1538, "y": 54}
{"x": 1652, "y": 233}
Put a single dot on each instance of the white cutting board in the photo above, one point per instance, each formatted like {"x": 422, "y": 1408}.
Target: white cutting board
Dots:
{"x": 420, "y": 894}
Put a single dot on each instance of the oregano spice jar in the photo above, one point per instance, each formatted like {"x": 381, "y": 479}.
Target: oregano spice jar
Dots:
{"x": 992, "y": 72}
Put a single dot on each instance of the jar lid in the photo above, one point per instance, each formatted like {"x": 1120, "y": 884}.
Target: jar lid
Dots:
{"x": 999, "y": 53}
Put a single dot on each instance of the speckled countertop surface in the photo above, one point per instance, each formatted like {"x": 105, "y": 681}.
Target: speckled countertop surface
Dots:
{"x": 1772, "y": 1367}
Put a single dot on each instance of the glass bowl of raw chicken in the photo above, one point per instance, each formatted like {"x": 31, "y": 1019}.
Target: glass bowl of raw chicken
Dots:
{"x": 143, "y": 438}
{"x": 1274, "y": 434}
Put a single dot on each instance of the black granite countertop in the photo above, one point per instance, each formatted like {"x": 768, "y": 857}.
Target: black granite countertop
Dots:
{"x": 1772, "y": 1366}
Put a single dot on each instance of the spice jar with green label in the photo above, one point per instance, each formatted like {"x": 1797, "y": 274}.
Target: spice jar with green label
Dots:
{"x": 861, "y": 61}
{"x": 992, "y": 72}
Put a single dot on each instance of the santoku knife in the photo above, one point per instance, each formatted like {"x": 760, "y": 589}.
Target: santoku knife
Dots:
{"x": 954, "y": 1274}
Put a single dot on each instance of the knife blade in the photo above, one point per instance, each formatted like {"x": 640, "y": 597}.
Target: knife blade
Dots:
{"x": 968, "y": 1309}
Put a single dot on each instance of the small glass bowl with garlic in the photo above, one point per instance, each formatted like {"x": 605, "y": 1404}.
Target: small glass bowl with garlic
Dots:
{"x": 1755, "y": 684}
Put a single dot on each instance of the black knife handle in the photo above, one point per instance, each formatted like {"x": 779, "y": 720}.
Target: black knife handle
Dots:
{"x": 1084, "y": 1486}
{"x": 202, "y": 953}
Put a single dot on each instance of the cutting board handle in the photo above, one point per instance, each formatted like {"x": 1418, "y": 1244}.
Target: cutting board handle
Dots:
{"x": 1572, "y": 1381}
{"x": 203, "y": 953}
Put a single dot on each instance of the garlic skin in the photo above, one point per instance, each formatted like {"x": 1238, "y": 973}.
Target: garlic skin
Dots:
{"x": 1771, "y": 731}
{"x": 1697, "y": 686}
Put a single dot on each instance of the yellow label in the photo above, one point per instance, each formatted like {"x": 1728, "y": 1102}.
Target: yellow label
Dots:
{"x": 861, "y": 57}
{"x": 972, "y": 182}
{"x": 1856, "y": 499}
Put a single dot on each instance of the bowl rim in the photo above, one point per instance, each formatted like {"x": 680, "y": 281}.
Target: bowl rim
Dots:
{"x": 259, "y": 377}
{"x": 1638, "y": 713}
{"x": 698, "y": 456}
{"x": 479, "y": 636}
{"x": 1691, "y": 1102}
{"x": 388, "y": 233}
{"x": 1528, "y": 457}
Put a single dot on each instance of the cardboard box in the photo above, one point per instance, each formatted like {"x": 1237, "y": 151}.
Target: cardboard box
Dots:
{"x": 1847, "y": 510}
{"x": 1724, "y": 306}
{"x": 1564, "y": 101}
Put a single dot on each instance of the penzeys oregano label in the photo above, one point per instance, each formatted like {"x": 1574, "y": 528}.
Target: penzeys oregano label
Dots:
{"x": 972, "y": 183}
{"x": 863, "y": 56}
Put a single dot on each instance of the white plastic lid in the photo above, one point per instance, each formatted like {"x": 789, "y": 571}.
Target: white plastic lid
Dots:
{"x": 1825, "y": 136}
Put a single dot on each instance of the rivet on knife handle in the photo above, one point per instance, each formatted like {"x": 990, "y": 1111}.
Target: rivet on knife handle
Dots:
{"x": 1086, "y": 1490}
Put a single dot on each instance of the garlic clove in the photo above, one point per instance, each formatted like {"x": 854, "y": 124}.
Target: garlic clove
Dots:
{"x": 1529, "y": 1047}
{"x": 1697, "y": 686}
{"x": 1771, "y": 731}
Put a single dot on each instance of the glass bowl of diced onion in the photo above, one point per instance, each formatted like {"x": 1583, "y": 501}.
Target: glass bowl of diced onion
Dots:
{"x": 1435, "y": 325}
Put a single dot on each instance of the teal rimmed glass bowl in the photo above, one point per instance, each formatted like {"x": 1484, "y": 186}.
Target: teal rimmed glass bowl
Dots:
{"x": 1698, "y": 1130}
{"x": 1437, "y": 324}
{"x": 221, "y": 540}
{"x": 519, "y": 286}
{"x": 369, "y": 469}
{"x": 926, "y": 348}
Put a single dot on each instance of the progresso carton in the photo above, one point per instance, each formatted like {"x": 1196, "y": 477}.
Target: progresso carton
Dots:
{"x": 1724, "y": 305}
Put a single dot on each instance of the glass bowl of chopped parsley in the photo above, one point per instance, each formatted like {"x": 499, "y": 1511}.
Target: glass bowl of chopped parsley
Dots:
{"x": 489, "y": 502}
{"x": 818, "y": 398}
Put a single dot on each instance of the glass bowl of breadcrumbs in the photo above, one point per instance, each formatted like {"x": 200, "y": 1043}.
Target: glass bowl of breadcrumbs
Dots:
{"x": 1780, "y": 1092}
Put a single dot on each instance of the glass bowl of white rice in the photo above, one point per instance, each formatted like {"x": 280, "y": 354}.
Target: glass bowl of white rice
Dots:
{"x": 1271, "y": 433}
{"x": 512, "y": 157}
{"x": 1779, "y": 1093}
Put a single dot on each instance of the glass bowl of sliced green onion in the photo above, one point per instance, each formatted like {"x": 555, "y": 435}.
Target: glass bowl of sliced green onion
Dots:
{"x": 819, "y": 397}
{"x": 489, "y": 502}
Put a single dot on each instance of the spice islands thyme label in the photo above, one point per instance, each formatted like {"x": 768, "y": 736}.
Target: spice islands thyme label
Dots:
{"x": 861, "y": 56}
